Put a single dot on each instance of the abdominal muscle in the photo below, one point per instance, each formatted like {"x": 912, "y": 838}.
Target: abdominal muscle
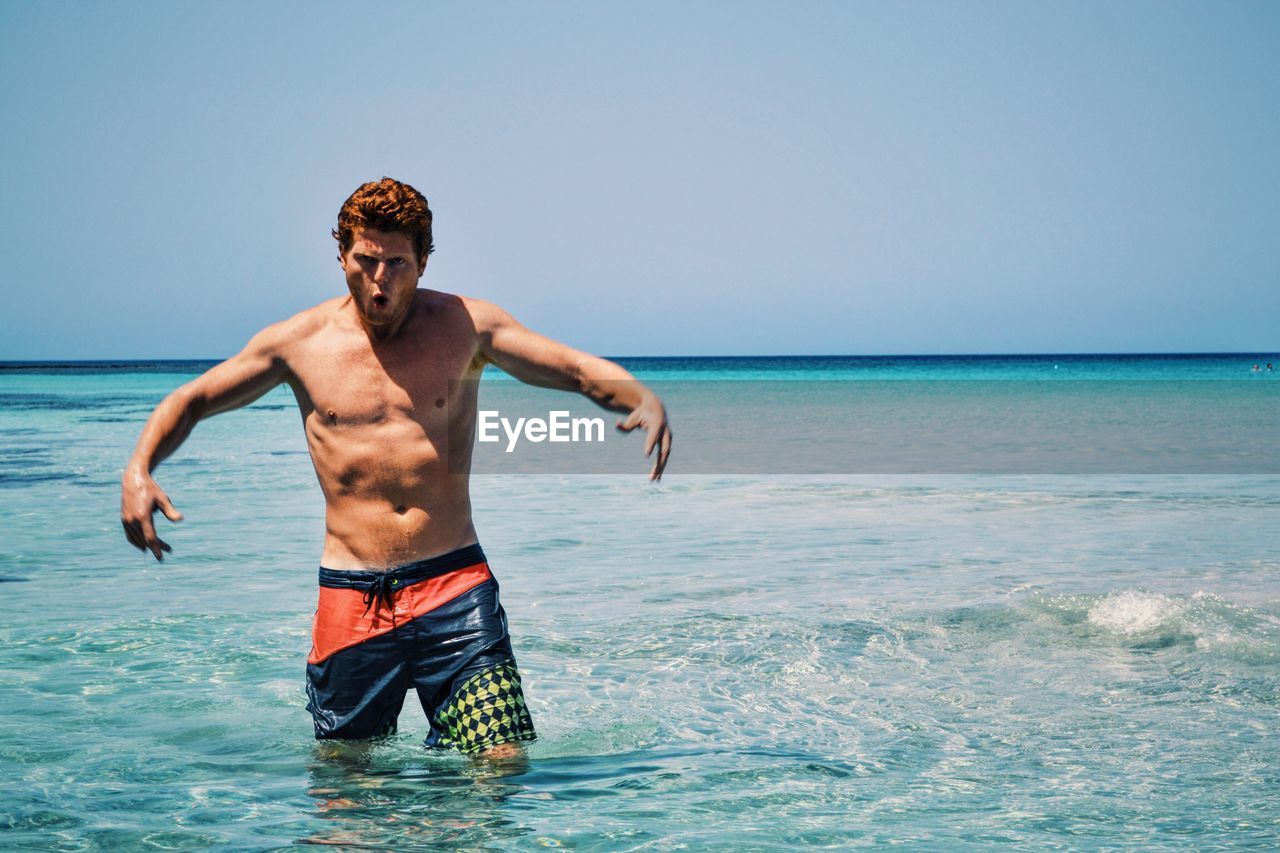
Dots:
{"x": 390, "y": 497}
{"x": 374, "y": 536}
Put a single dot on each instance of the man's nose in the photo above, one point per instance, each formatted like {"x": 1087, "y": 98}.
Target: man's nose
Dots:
{"x": 380, "y": 272}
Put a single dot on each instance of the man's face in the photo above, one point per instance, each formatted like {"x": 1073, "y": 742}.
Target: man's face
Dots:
{"x": 382, "y": 272}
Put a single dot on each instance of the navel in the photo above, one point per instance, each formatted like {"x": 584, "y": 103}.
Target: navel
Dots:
{"x": 439, "y": 402}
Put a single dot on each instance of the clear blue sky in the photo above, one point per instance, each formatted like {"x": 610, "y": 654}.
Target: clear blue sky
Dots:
{"x": 636, "y": 179}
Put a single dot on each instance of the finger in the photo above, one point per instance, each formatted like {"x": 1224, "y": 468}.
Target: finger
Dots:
{"x": 632, "y": 421}
{"x": 149, "y": 536}
{"x": 131, "y": 533}
{"x": 651, "y": 441}
{"x": 135, "y": 532}
{"x": 664, "y": 451}
{"x": 158, "y": 547}
{"x": 167, "y": 507}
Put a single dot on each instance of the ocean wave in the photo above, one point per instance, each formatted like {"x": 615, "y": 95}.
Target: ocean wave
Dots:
{"x": 1133, "y": 612}
{"x": 1140, "y": 618}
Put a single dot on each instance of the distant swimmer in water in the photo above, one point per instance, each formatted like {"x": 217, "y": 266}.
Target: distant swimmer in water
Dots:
{"x": 1268, "y": 366}
{"x": 1256, "y": 368}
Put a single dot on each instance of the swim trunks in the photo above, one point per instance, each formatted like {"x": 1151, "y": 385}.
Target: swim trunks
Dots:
{"x": 434, "y": 626}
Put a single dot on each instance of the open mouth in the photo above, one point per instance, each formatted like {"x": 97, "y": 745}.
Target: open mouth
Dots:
{"x": 380, "y": 301}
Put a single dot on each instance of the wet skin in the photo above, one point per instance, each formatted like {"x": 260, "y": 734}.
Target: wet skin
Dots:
{"x": 376, "y": 375}
{"x": 388, "y": 423}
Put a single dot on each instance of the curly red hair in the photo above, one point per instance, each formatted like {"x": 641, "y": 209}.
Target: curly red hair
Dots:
{"x": 386, "y": 205}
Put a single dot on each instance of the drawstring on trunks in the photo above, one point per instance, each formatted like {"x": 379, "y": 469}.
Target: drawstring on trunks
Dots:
{"x": 381, "y": 589}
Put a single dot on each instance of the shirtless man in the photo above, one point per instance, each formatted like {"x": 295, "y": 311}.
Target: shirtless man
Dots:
{"x": 385, "y": 381}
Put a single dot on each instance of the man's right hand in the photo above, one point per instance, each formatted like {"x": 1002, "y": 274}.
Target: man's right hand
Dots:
{"x": 236, "y": 382}
{"x": 139, "y": 498}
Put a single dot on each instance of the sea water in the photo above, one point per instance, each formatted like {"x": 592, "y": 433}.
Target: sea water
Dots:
{"x": 1080, "y": 659}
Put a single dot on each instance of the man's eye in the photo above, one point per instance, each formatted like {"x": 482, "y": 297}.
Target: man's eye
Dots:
{"x": 396, "y": 262}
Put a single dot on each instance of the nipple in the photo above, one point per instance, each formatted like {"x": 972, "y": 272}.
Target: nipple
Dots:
{"x": 333, "y": 416}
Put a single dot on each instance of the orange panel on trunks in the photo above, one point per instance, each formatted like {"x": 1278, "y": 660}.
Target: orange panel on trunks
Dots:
{"x": 341, "y": 621}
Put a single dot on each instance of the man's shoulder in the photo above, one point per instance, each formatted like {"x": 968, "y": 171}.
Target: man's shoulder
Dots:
{"x": 301, "y": 326}
{"x": 316, "y": 317}
{"x": 478, "y": 312}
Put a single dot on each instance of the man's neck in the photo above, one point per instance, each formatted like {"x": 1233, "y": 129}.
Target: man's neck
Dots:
{"x": 385, "y": 332}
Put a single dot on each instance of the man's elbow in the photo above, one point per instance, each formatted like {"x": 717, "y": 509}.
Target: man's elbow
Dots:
{"x": 188, "y": 403}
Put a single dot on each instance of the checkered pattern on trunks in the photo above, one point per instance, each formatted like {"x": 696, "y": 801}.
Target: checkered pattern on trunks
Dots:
{"x": 486, "y": 710}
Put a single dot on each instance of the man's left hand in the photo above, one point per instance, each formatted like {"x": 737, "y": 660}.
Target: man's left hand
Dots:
{"x": 652, "y": 417}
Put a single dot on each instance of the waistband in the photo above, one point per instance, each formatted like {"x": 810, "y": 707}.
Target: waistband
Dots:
{"x": 403, "y": 575}
{"x": 380, "y": 587}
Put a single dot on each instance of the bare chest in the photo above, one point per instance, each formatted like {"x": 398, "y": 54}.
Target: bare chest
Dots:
{"x": 345, "y": 383}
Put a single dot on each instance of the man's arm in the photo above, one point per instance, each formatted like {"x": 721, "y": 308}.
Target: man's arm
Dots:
{"x": 539, "y": 360}
{"x": 236, "y": 382}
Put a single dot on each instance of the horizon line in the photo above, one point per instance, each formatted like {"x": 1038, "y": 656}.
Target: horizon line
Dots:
{"x": 53, "y": 362}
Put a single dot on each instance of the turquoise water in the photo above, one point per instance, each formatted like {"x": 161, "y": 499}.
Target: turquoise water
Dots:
{"x": 727, "y": 660}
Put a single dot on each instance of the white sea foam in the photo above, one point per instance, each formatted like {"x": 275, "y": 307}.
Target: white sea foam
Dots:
{"x": 1134, "y": 612}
